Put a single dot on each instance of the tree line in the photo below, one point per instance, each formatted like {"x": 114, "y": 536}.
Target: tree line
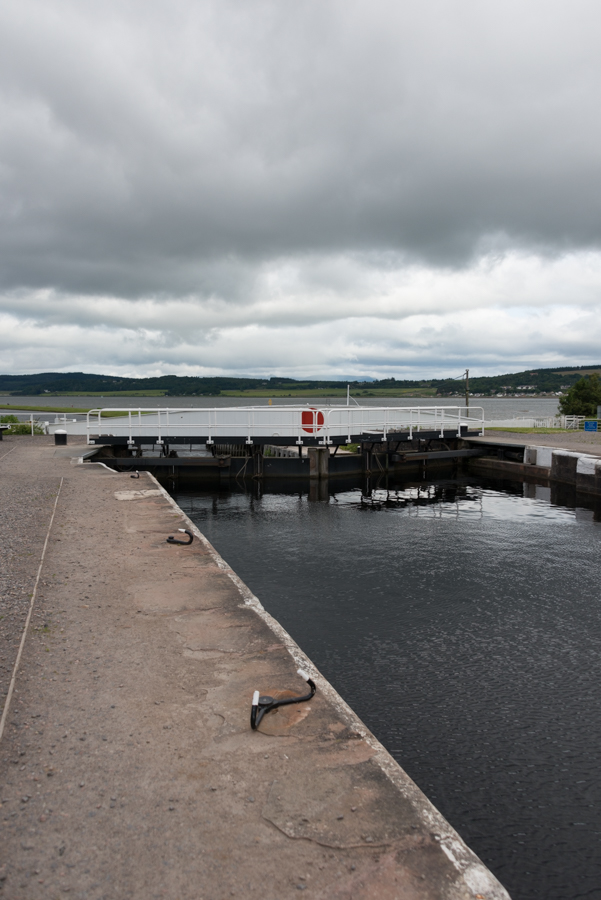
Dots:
{"x": 528, "y": 381}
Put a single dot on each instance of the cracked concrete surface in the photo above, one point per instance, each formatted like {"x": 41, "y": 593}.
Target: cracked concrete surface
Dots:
{"x": 129, "y": 769}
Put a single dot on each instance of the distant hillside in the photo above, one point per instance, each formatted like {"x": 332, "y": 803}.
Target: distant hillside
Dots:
{"x": 538, "y": 381}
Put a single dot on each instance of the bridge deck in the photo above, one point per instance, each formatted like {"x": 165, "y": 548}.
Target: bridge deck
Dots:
{"x": 279, "y": 424}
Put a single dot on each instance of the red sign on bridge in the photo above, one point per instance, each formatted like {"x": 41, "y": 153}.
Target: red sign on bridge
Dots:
{"x": 312, "y": 420}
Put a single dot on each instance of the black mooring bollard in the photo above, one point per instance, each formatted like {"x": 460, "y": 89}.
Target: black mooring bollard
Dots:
{"x": 263, "y": 704}
{"x": 60, "y": 437}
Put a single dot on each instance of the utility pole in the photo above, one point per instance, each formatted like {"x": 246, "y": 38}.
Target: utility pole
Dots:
{"x": 467, "y": 388}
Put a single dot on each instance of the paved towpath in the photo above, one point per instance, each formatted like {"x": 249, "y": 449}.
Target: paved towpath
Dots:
{"x": 26, "y": 501}
{"x": 578, "y": 441}
{"x": 127, "y": 765}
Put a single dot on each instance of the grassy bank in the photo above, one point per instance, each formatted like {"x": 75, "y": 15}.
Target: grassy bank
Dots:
{"x": 106, "y": 394}
{"x": 58, "y": 409}
{"x": 310, "y": 393}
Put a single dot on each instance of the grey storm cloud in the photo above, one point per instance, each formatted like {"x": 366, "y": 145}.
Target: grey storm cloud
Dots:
{"x": 219, "y": 184}
{"x": 142, "y": 140}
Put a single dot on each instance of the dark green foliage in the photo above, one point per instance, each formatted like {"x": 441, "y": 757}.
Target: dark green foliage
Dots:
{"x": 24, "y": 428}
{"x": 533, "y": 380}
{"x": 583, "y": 398}
{"x": 18, "y": 427}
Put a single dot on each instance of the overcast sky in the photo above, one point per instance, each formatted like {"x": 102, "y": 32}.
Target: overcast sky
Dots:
{"x": 324, "y": 187}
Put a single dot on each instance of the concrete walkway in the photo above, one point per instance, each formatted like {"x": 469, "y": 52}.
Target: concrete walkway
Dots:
{"x": 128, "y": 768}
{"x": 578, "y": 441}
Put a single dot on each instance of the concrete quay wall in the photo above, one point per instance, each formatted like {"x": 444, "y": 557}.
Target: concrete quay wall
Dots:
{"x": 128, "y": 766}
{"x": 549, "y": 463}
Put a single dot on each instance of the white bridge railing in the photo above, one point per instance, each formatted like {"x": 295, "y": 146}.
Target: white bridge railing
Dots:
{"x": 568, "y": 422}
{"x": 327, "y": 423}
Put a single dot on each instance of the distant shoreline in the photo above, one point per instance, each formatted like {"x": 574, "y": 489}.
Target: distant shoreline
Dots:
{"x": 323, "y": 394}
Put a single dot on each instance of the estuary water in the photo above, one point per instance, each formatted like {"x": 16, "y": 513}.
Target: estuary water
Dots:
{"x": 462, "y": 622}
{"x": 494, "y": 407}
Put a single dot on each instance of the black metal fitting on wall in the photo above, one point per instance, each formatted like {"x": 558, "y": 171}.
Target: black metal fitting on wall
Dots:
{"x": 264, "y": 704}
{"x": 173, "y": 540}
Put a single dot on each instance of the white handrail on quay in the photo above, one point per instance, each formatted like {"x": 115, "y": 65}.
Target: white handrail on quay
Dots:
{"x": 326, "y": 423}
{"x": 568, "y": 422}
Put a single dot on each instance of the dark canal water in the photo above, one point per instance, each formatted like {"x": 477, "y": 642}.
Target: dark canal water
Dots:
{"x": 464, "y": 626}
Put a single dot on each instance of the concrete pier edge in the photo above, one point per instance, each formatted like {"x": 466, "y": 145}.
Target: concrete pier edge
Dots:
{"x": 478, "y": 879}
{"x": 547, "y": 462}
{"x": 128, "y": 766}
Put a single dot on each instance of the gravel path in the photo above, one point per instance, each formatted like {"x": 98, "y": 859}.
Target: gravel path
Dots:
{"x": 26, "y": 501}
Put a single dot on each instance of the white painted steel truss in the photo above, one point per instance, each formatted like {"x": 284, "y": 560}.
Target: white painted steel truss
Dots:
{"x": 323, "y": 425}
